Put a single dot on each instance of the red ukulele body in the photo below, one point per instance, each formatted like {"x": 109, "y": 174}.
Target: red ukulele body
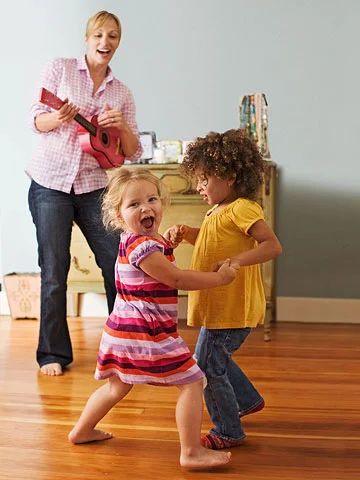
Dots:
{"x": 102, "y": 143}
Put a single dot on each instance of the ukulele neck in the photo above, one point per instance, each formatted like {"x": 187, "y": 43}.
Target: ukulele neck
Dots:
{"x": 90, "y": 127}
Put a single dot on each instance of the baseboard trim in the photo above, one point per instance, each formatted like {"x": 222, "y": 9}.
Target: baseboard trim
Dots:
{"x": 318, "y": 310}
{"x": 4, "y": 305}
{"x": 288, "y": 309}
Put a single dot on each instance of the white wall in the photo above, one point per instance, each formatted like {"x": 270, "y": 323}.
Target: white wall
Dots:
{"x": 187, "y": 64}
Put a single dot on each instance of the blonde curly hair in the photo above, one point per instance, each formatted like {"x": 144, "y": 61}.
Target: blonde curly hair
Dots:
{"x": 114, "y": 193}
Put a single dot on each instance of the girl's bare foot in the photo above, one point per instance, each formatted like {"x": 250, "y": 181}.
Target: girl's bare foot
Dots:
{"x": 51, "y": 369}
{"x": 91, "y": 436}
{"x": 204, "y": 458}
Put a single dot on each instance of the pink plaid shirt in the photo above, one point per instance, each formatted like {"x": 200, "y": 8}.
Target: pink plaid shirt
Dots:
{"x": 59, "y": 163}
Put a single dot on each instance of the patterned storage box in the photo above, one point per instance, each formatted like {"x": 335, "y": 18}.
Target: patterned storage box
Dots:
{"x": 23, "y": 294}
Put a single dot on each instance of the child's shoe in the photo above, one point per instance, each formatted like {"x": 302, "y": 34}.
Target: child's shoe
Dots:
{"x": 214, "y": 442}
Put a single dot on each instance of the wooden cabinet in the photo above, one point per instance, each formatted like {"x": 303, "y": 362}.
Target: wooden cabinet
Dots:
{"x": 186, "y": 207}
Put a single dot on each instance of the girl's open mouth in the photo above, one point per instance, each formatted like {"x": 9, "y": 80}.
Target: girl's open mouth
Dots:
{"x": 147, "y": 222}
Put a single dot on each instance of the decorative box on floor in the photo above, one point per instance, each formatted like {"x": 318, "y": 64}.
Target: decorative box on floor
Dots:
{"x": 23, "y": 294}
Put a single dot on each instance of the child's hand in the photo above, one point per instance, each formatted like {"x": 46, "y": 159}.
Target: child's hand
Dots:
{"x": 228, "y": 271}
{"x": 175, "y": 234}
{"x": 233, "y": 264}
{"x": 217, "y": 265}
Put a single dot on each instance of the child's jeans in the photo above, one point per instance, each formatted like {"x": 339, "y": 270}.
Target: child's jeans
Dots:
{"x": 228, "y": 391}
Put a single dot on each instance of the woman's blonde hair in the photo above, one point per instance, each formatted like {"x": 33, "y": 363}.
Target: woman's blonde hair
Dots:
{"x": 114, "y": 193}
{"x": 99, "y": 19}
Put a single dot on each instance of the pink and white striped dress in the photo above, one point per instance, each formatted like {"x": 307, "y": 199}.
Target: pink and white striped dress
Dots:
{"x": 140, "y": 342}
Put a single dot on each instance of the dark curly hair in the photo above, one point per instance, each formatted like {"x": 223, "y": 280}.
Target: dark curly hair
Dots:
{"x": 226, "y": 155}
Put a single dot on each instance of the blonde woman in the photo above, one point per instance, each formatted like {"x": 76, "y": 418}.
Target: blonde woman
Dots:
{"x": 67, "y": 183}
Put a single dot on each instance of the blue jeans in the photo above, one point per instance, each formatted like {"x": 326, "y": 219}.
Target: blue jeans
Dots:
{"x": 53, "y": 214}
{"x": 228, "y": 391}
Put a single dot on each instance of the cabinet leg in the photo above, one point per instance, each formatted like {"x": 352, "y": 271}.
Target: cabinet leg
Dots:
{"x": 267, "y": 323}
{"x": 72, "y": 304}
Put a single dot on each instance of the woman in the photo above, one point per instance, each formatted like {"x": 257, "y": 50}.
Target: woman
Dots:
{"x": 67, "y": 184}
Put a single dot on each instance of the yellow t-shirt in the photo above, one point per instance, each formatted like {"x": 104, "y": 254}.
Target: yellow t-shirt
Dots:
{"x": 222, "y": 235}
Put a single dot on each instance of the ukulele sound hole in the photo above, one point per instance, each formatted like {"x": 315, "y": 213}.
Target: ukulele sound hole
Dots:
{"x": 105, "y": 139}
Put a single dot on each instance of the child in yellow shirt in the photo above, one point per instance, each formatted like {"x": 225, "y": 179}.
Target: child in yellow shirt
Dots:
{"x": 228, "y": 169}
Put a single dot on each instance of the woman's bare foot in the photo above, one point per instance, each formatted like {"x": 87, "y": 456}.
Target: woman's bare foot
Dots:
{"x": 51, "y": 369}
{"x": 204, "y": 458}
{"x": 91, "y": 436}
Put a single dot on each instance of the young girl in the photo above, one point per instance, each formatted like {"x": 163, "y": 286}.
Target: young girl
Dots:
{"x": 140, "y": 343}
{"x": 228, "y": 169}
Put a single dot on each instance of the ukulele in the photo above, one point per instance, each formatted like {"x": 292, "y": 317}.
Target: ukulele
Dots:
{"x": 102, "y": 143}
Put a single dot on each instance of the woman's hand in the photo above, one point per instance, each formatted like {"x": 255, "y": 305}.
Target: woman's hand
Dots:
{"x": 129, "y": 140}
{"x": 47, "y": 121}
{"x": 67, "y": 112}
{"x": 112, "y": 118}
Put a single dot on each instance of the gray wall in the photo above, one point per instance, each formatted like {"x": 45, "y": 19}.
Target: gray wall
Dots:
{"x": 187, "y": 64}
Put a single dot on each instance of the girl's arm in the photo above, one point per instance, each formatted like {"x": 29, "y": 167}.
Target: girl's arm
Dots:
{"x": 190, "y": 233}
{"x": 158, "y": 267}
{"x": 268, "y": 247}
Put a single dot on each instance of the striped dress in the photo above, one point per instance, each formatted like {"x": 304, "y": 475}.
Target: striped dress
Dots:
{"x": 140, "y": 342}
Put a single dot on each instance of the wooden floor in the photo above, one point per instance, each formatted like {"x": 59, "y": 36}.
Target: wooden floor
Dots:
{"x": 309, "y": 375}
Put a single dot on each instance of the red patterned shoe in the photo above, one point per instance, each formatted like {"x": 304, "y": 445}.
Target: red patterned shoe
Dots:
{"x": 258, "y": 407}
{"x": 213, "y": 442}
